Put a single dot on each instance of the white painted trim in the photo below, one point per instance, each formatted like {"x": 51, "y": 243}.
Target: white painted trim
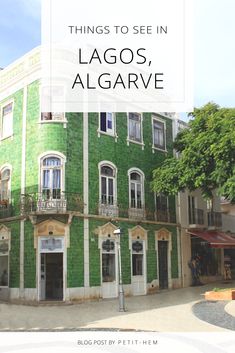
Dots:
{"x": 113, "y": 133}
{"x": 2, "y": 106}
{"x": 128, "y": 139}
{"x": 2, "y": 169}
{"x": 86, "y": 202}
{"x": 111, "y": 165}
{"x": 139, "y": 171}
{"x": 145, "y": 247}
{"x": 24, "y": 126}
{"x": 157, "y": 118}
{"x": 49, "y": 154}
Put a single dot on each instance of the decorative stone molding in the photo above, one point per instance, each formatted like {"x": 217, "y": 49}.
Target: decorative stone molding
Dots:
{"x": 138, "y": 233}
{"x": 106, "y": 231}
{"x": 51, "y": 227}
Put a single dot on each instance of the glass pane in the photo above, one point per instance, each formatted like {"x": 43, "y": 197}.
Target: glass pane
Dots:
{"x": 46, "y": 179}
{"x": 4, "y": 270}
{"x": 159, "y": 140}
{"x": 5, "y": 175}
{"x": 103, "y": 126}
{"x": 134, "y": 127}
{"x": 137, "y": 264}
{"x": 56, "y": 178}
{"x": 135, "y": 176}
{"x": 139, "y": 204}
{"x": 7, "y": 109}
{"x": 108, "y": 267}
{"x": 110, "y": 191}
{"x": 103, "y": 190}
{"x": 106, "y": 170}
{"x": 52, "y": 162}
{"x": 110, "y": 121}
{"x": 133, "y": 200}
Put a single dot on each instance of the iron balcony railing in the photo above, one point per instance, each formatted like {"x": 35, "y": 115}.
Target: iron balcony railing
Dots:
{"x": 165, "y": 216}
{"x": 196, "y": 216}
{"x": 56, "y": 201}
{"x": 214, "y": 219}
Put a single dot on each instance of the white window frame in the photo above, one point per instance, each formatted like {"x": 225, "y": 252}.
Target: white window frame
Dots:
{"x": 109, "y": 132}
{"x": 3, "y": 105}
{"x": 114, "y": 168}
{"x": 61, "y": 120}
{"x": 51, "y": 154}
{"x": 129, "y": 139}
{"x": 2, "y": 169}
{"x": 157, "y": 119}
{"x": 142, "y": 177}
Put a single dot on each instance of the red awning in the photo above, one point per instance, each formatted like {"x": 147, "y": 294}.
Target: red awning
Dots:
{"x": 214, "y": 238}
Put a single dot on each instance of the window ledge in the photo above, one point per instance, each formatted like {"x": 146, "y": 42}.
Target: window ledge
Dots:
{"x": 100, "y": 132}
{"x": 136, "y": 142}
{"x": 158, "y": 149}
{"x": 6, "y": 137}
{"x": 54, "y": 121}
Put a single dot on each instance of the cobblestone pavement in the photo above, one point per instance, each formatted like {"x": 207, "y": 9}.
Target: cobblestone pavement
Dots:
{"x": 214, "y": 312}
{"x": 166, "y": 311}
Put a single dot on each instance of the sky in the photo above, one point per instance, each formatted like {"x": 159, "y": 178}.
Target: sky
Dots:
{"x": 214, "y": 44}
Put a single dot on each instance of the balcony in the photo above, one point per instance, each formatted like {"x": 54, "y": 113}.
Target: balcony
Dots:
{"x": 59, "y": 202}
{"x": 108, "y": 210}
{"x": 6, "y": 209}
{"x": 214, "y": 219}
{"x": 196, "y": 217}
{"x": 165, "y": 216}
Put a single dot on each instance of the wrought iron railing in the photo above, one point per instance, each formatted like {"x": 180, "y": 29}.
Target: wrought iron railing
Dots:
{"x": 51, "y": 202}
{"x": 196, "y": 216}
{"x": 214, "y": 219}
{"x": 165, "y": 216}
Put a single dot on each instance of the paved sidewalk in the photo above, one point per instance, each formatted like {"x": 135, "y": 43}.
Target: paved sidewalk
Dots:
{"x": 166, "y": 311}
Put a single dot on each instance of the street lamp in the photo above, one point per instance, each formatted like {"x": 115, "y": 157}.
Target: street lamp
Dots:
{"x": 121, "y": 298}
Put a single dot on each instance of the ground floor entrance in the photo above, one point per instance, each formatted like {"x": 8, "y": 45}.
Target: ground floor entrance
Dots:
{"x": 51, "y": 284}
{"x": 163, "y": 264}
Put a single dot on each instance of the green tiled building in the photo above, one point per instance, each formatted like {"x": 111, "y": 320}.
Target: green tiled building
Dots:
{"x": 67, "y": 182}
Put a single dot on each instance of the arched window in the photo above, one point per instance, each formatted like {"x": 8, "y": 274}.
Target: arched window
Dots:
{"x": 107, "y": 184}
{"x": 136, "y": 189}
{"x": 5, "y": 176}
{"x": 52, "y": 177}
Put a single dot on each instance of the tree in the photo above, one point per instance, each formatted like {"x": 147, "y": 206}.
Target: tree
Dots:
{"x": 206, "y": 155}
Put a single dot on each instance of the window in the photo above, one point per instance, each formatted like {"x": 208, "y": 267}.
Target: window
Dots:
{"x": 107, "y": 123}
{"x": 162, "y": 210}
{"x": 7, "y": 120}
{"x": 51, "y": 177}
{"x": 107, "y": 185}
{"x": 108, "y": 261}
{"x": 52, "y": 116}
{"x": 5, "y": 185}
{"x": 134, "y": 127}
{"x": 159, "y": 134}
{"x": 191, "y": 209}
{"x": 58, "y": 94}
{"x": 4, "y": 261}
{"x": 137, "y": 258}
{"x": 136, "y": 190}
